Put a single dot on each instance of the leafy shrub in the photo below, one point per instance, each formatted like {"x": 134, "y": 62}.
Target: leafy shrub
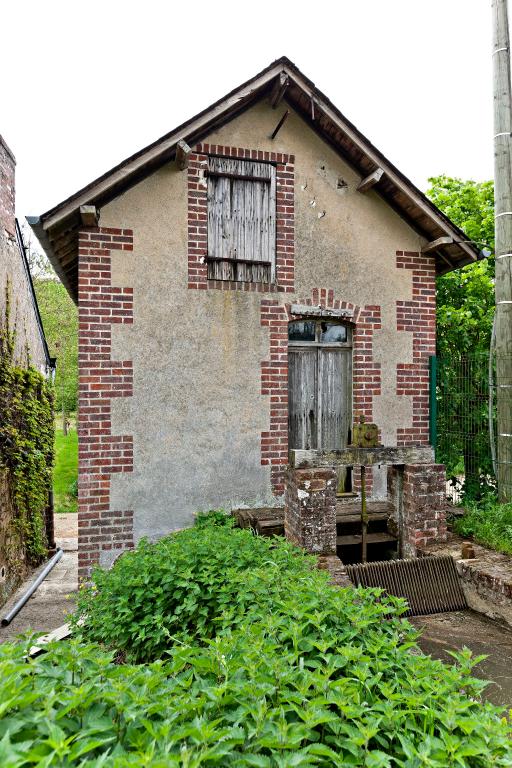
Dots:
{"x": 194, "y": 583}
{"x": 488, "y": 522}
{"x": 285, "y": 671}
{"x": 273, "y": 693}
{"x": 73, "y": 489}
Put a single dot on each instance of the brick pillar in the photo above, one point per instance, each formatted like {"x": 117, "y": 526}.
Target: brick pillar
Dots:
{"x": 103, "y": 532}
{"x": 310, "y": 510}
{"x": 423, "y": 506}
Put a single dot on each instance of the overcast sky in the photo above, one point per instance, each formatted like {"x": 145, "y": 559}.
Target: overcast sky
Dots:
{"x": 86, "y": 84}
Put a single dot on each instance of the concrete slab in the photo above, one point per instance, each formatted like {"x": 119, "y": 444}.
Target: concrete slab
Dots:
{"x": 54, "y": 599}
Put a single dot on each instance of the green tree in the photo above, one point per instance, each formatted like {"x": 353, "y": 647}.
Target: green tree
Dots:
{"x": 465, "y": 297}
{"x": 465, "y": 311}
{"x": 60, "y": 321}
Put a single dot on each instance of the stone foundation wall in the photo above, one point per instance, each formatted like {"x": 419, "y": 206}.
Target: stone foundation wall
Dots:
{"x": 423, "y": 506}
{"x": 310, "y": 510}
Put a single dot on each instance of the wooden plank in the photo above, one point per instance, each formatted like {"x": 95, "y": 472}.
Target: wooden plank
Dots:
{"x": 437, "y": 244}
{"x": 302, "y": 397}
{"x": 279, "y": 90}
{"x": 241, "y": 220}
{"x": 356, "y": 518}
{"x": 237, "y": 176}
{"x": 307, "y": 311}
{"x": 354, "y": 507}
{"x": 89, "y": 215}
{"x": 371, "y": 538}
{"x": 371, "y": 180}
{"x": 334, "y": 385}
{"x": 350, "y": 456}
{"x": 280, "y": 124}
{"x": 182, "y": 154}
{"x": 61, "y": 633}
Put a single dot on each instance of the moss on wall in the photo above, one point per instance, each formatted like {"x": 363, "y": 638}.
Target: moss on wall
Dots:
{"x": 26, "y": 458}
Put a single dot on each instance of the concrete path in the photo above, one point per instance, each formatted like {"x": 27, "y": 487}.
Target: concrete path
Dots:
{"x": 48, "y": 606}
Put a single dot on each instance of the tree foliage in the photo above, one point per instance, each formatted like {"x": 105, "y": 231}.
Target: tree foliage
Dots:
{"x": 60, "y": 321}
{"x": 465, "y": 311}
{"x": 465, "y": 297}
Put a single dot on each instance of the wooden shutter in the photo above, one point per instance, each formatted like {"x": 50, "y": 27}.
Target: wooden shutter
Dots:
{"x": 241, "y": 220}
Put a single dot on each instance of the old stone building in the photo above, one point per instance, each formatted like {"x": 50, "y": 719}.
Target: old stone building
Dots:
{"x": 30, "y": 348}
{"x": 15, "y": 272}
{"x": 246, "y": 284}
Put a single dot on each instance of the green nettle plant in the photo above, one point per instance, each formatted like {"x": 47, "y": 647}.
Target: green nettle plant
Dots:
{"x": 246, "y": 657}
{"x": 26, "y": 442}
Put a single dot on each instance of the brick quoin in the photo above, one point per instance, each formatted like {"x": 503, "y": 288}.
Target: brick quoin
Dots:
{"x": 274, "y": 373}
{"x": 198, "y": 220}
{"x": 417, "y": 316}
{"x": 100, "y": 452}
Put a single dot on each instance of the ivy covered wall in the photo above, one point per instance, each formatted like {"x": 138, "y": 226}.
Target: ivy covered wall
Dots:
{"x": 26, "y": 459}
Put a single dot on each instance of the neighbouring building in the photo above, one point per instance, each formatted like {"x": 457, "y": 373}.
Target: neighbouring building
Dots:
{"x": 30, "y": 346}
{"x": 248, "y": 283}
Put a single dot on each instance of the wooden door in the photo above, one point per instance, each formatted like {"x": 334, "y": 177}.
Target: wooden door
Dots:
{"x": 319, "y": 388}
{"x": 303, "y": 397}
{"x": 334, "y": 377}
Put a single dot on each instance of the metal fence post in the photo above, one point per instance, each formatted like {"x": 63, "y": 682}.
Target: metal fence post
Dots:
{"x": 432, "y": 369}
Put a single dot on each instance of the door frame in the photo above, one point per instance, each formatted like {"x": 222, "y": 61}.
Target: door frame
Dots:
{"x": 319, "y": 345}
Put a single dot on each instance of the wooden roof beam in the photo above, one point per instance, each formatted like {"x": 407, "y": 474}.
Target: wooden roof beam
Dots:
{"x": 182, "y": 154}
{"x": 279, "y": 90}
{"x": 371, "y": 180}
{"x": 89, "y": 215}
{"x": 435, "y": 244}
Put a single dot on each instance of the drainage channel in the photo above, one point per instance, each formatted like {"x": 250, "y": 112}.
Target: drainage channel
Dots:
{"x": 429, "y": 584}
{"x": 438, "y": 608}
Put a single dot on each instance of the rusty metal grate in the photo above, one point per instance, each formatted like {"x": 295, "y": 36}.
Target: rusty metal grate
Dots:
{"x": 429, "y": 584}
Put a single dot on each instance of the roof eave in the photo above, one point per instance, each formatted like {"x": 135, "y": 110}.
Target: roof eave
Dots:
{"x": 130, "y": 171}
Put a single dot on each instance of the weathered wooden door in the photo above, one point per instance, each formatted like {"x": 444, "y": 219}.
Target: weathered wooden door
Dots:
{"x": 319, "y": 385}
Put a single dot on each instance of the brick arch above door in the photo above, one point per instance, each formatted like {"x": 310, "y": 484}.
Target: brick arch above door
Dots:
{"x": 275, "y": 315}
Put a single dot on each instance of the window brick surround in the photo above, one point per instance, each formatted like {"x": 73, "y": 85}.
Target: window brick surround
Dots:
{"x": 100, "y": 452}
{"x": 274, "y": 373}
{"x": 417, "y": 316}
{"x": 198, "y": 219}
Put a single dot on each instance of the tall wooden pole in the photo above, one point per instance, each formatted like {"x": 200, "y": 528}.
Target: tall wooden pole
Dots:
{"x": 503, "y": 247}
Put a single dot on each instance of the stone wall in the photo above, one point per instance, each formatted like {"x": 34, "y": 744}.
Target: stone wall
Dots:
{"x": 423, "y": 506}
{"x": 12, "y": 555}
{"x": 13, "y": 272}
{"x": 310, "y": 510}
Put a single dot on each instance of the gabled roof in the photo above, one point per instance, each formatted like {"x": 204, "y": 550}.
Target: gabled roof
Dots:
{"x": 50, "y": 361}
{"x": 57, "y": 229}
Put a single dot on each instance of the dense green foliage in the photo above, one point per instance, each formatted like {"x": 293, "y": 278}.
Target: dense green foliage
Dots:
{"x": 60, "y": 320}
{"x": 465, "y": 311}
{"x": 252, "y": 659}
{"x": 465, "y": 297}
{"x": 488, "y": 522}
{"x": 65, "y": 471}
{"x": 26, "y": 443}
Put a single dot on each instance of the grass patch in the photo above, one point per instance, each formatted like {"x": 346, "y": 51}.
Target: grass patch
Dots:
{"x": 488, "y": 523}
{"x": 65, "y": 471}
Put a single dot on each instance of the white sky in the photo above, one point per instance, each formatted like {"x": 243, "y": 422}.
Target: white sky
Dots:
{"x": 85, "y": 84}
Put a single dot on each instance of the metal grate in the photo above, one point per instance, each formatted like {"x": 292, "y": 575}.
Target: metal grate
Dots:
{"x": 429, "y": 584}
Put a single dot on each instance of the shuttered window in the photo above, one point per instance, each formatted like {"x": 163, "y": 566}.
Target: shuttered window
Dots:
{"x": 241, "y": 220}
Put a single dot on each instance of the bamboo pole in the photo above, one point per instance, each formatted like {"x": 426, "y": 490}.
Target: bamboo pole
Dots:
{"x": 503, "y": 248}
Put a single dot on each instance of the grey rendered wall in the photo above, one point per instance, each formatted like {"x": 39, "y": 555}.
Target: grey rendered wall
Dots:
{"x": 197, "y": 412}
